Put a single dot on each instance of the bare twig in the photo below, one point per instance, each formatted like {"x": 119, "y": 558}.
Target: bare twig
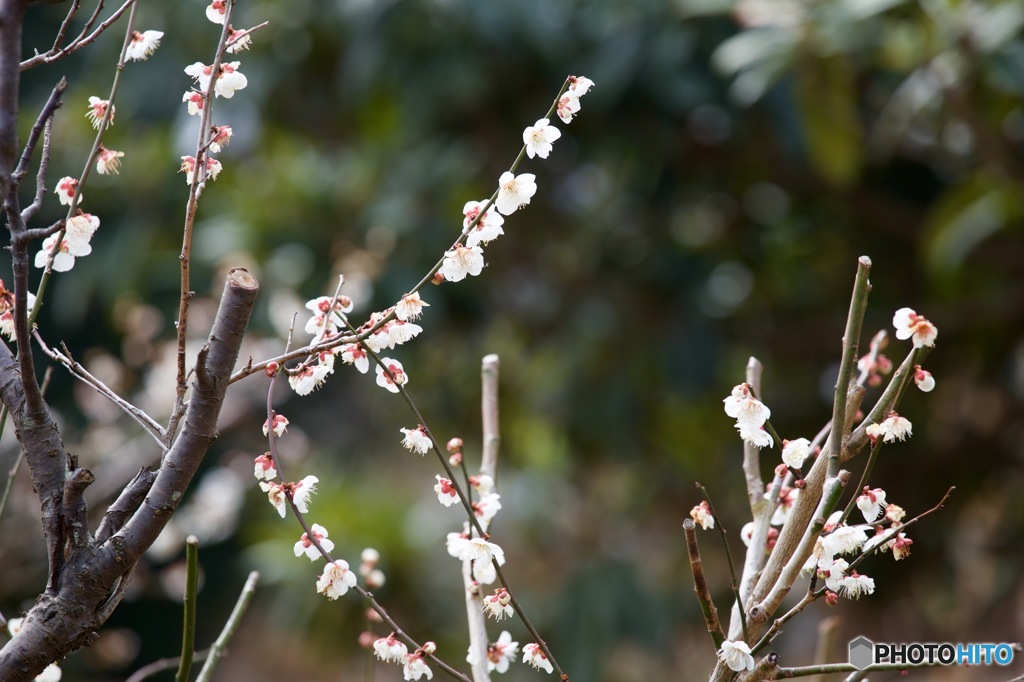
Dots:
{"x": 188, "y": 635}
{"x": 159, "y": 666}
{"x": 700, "y": 585}
{"x": 217, "y": 650}
{"x": 56, "y": 52}
{"x": 728, "y": 558}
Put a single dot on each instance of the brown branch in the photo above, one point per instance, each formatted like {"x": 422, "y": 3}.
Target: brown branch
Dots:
{"x": 125, "y": 504}
{"x": 55, "y": 53}
{"x": 700, "y": 585}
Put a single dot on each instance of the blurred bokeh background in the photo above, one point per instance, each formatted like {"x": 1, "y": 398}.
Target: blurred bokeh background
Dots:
{"x": 707, "y": 204}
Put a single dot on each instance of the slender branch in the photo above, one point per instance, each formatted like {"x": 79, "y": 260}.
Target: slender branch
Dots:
{"x": 42, "y": 127}
{"x": 833, "y": 668}
{"x": 125, "y": 504}
{"x": 188, "y": 635}
{"x": 217, "y": 650}
{"x": 81, "y": 41}
{"x": 700, "y": 585}
{"x": 312, "y": 349}
{"x": 159, "y": 666}
{"x": 198, "y": 182}
{"x": 728, "y": 558}
{"x": 148, "y": 424}
{"x": 854, "y": 321}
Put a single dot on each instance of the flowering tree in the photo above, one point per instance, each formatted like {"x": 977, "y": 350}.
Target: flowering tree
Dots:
{"x": 799, "y": 527}
{"x": 90, "y": 566}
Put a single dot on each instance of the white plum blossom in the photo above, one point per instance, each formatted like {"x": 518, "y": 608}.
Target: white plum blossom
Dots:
{"x": 65, "y": 191}
{"x": 390, "y": 649}
{"x": 794, "y": 452}
{"x": 854, "y": 585}
{"x": 871, "y": 502}
{"x": 195, "y": 103}
{"x": 456, "y": 544}
{"x": 308, "y": 378}
{"x": 220, "y": 137}
{"x": 755, "y": 436}
{"x": 514, "y": 191}
{"x": 335, "y": 580}
{"x": 539, "y": 138}
{"x": 901, "y": 546}
{"x": 924, "y": 379}
{"x": 462, "y": 261}
{"x": 326, "y": 311}
{"x": 486, "y": 508}
{"x": 835, "y": 573}
{"x": 748, "y": 411}
{"x": 264, "y": 468}
{"x": 228, "y": 82}
{"x": 380, "y": 339}
{"x": 568, "y": 106}
{"x": 842, "y": 540}
{"x": 415, "y": 668}
{"x": 97, "y": 110}
{"x": 893, "y": 428}
{"x": 533, "y": 655}
{"x": 499, "y": 654}
{"x": 736, "y": 655}
{"x": 446, "y": 493}
{"x": 478, "y": 549}
{"x": 305, "y": 544}
{"x": 579, "y": 85}
{"x": 302, "y": 491}
{"x": 498, "y": 605}
{"x": 910, "y": 325}
{"x": 216, "y": 11}
{"x": 188, "y": 167}
{"x": 399, "y": 332}
{"x": 108, "y": 161}
{"x": 75, "y": 243}
{"x": 482, "y": 484}
{"x": 280, "y": 425}
{"x": 277, "y": 496}
{"x": 487, "y": 229}
{"x": 410, "y": 307}
{"x": 702, "y": 515}
{"x": 355, "y": 354}
{"x": 394, "y": 377}
{"x": 416, "y": 440}
{"x": 143, "y": 45}
{"x": 238, "y": 40}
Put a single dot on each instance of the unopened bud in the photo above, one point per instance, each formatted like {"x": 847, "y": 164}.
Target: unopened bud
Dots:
{"x": 473, "y": 588}
{"x": 437, "y": 278}
{"x": 367, "y": 638}
{"x": 504, "y": 598}
{"x": 271, "y": 369}
{"x": 800, "y": 483}
{"x": 370, "y": 556}
{"x": 373, "y": 616}
{"x": 781, "y": 471}
{"x": 454, "y": 445}
{"x": 831, "y": 598}
{"x": 456, "y": 459}
{"x": 429, "y": 647}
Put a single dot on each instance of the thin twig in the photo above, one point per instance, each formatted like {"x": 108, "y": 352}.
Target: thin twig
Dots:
{"x": 728, "y": 558}
{"x": 81, "y": 41}
{"x": 159, "y": 666}
{"x": 700, "y": 585}
{"x": 188, "y": 636}
{"x": 218, "y": 648}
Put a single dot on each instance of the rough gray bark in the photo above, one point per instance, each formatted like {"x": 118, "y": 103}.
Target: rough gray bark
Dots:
{"x": 93, "y": 573}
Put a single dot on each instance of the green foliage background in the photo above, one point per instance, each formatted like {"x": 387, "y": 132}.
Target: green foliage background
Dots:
{"x": 708, "y": 203}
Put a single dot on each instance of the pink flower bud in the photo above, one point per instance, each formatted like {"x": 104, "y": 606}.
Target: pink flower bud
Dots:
{"x": 831, "y": 598}
{"x": 437, "y": 278}
{"x": 800, "y": 483}
{"x": 454, "y": 445}
{"x": 429, "y": 648}
{"x": 367, "y": 638}
{"x": 456, "y": 459}
{"x": 272, "y": 369}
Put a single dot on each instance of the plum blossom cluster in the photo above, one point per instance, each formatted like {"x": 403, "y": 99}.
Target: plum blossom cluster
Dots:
{"x": 750, "y": 415}
{"x": 392, "y": 650}
{"x": 74, "y": 242}
{"x": 226, "y": 81}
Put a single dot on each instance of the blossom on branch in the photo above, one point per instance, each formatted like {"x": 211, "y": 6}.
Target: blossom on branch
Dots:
{"x": 499, "y": 654}
{"x": 66, "y": 189}
{"x": 499, "y": 604}
{"x": 534, "y": 655}
{"x": 308, "y": 378}
{"x": 871, "y": 502}
{"x": 335, "y": 580}
{"x": 108, "y": 161}
{"x": 486, "y": 508}
{"x": 539, "y": 138}
{"x": 910, "y": 325}
{"x": 748, "y": 411}
{"x": 415, "y": 668}
{"x": 701, "y": 514}
{"x": 446, "y": 492}
{"x": 97, "y": 110}
{"x": 216, "y": 11}
{"x": 355, "y": 354}
{"x": 238, "y": 40}
{"x": 514, "y": 192}
{"x": 143, "y": 44}
{"x": 487, "y": 229}
{"x": 924, "y": 379}
{"x": 394, "y": 377}
{"x": 390, "y": 649}
{"x": 195, "y": 101}
{"x": 188, "y": 167}
{"x": 462, "y": 261}
{"x": 893, "y": 428}
{"x": 794, "y": 452}
{"x": 220, "y": 137}
{"x": 280, "y": 423}
{"x": 305, "y": 544}
{"x": 416, "y": 440}
{"x": 229, "y": 80}
{"x": 264, "y": 468}
{"x": 410, "y": 307}
{"x": 736, "y": 655}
